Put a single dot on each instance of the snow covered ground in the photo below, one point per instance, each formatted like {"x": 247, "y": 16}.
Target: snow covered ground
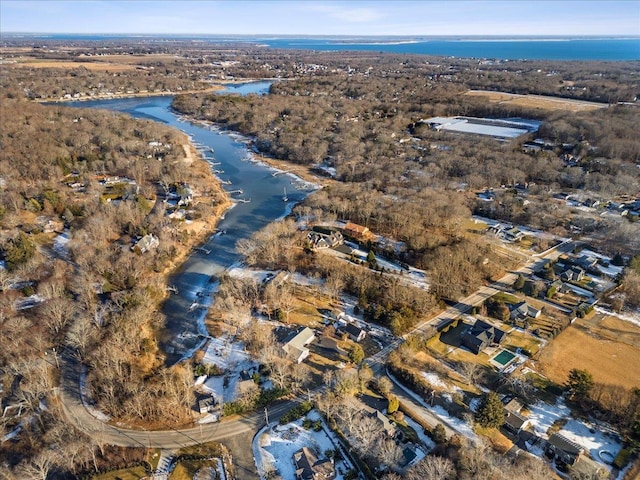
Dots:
{"x": 60, "y": 244}
{"x": 428, "y": 444}
{"x": 273, "y": 448}
{"x": 633, "y": 317}
{"x": 88, "y": 404}
{"x": 438, "y": 383}
{"x": 543, "y": 415}
{"x": 238, "y": 271}
{"x": 232, "y": 358}
{"x": 592, "y": 439}
{"x": 414, "y": 276}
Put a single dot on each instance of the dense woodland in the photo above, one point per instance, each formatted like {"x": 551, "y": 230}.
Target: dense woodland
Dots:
{"x": 98, "y": 301}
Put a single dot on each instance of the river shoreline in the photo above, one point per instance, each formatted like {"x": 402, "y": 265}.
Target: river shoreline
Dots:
{"x": 115, "y": 96}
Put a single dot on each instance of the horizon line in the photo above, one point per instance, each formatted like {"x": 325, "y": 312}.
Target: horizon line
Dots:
{"x": 298, "y": 35}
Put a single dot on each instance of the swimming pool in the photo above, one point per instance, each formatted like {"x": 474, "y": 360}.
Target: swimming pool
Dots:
{"x": 504, "y": 357}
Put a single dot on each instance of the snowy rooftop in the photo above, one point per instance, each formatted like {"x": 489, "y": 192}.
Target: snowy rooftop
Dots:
{"x": 498, "y": 128}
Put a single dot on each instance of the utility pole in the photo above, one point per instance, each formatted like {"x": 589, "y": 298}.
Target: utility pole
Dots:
{"x": 55, "y": 356}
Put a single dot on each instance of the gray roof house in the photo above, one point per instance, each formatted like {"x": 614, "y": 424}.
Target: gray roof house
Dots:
{"x": 146, "y": 243}
{"x": 355, "y": 332}
{"x": 523, "y": 310}
{"x": 481, "y": 335}
{"x": 308, "y": 467}
{"x": 574, "y": 274}
{"x": 381, "y": 419}
{"x": 295, "y": 345}
{"x": 563, "y": 449}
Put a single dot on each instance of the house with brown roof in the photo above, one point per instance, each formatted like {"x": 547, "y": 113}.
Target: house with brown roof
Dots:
{"x": 357, "y": 231}
{"x": 309, "y": 467}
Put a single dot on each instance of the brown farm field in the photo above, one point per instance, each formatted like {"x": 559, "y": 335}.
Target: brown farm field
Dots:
{"x": 94, "y": 66}
{"x": 607, "y": 347}
{"x": 537, "y": 101}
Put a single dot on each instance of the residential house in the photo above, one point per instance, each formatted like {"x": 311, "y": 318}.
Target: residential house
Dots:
{"x": 309, "y": 467}
{"x": 147, "y": 243}
{"x": 319, "y": 240}
{"x": 563, "y": 449}
{"x": 522, "y": 311}
{"x": 481, "y": 335}
{"x": 295, "y": 345}
{"x": 357, "y": 231}
{"x": 381, "y": 419}
{"x": 206, "y": 403}
{"x": 355, "y": 332}
{"x": 514, "y": 421}
{"x": 513, "y": 234}
{"x": 572, "y": 274}
{"x": 587, "y": 261}
{"x": 507, "y": 233}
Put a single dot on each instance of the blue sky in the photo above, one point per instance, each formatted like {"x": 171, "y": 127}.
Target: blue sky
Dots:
{"x": 311, "y": 17}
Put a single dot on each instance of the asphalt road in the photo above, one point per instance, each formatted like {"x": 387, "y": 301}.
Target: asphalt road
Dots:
{"x": 244, "y": 426}
{"x": 106, "y": 433}
{"x": 482, "y": 294}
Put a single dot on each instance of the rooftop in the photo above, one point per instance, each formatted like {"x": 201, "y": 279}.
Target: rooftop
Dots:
{"x": 497, "y": 128}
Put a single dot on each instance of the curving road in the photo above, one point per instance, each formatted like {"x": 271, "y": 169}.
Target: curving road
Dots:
{"x": 101, "y": 432}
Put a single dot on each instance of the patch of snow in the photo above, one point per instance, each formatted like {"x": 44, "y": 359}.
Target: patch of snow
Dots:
{"x": 460, "y": 425}
{"x": 273, "y": 448}
{"x": 60, "y": 244}
{"x": 29, "y": 302}
{"x": 238, "y": 271}
{"x": 632, "y": 317}
{"x": 435, "y": 381}
{"x": 12, "y": 434}
{"x": 591, "y": 438}
{"x": 88, "y": 404}
{"x": 543, "y": 415}
{"x": 424, "y": 438}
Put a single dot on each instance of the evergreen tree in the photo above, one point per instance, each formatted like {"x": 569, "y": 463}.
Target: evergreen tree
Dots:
{"x": 579, "y": 383}
{"x": 439, "y": 434}
{"x": 519, "y": 283}
{"x": 491, "y": 411}
{"x": 356, "y": 354}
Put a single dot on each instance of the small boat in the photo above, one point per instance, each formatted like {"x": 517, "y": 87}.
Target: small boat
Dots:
{"x": 284, "y": 197}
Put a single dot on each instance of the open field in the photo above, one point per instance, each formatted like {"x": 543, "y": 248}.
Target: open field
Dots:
{"x": 607, "y": 347}
{"x": 94, "y": 66}
{"x": 537, "y": 101}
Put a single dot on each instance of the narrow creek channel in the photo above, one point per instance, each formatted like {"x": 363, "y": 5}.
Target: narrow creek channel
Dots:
{"x": 196, "y": 280}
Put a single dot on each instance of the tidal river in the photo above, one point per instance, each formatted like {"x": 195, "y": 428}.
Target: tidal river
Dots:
{"x": 260, "y": 203}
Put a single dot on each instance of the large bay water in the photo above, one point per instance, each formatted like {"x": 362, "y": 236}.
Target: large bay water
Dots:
{"x": 198, "y": 275}
{"x": 536, "y": 48}
{"x": 503, "y": 48}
